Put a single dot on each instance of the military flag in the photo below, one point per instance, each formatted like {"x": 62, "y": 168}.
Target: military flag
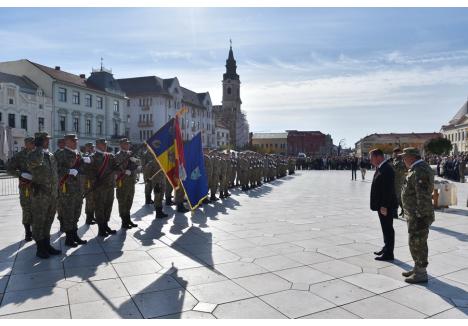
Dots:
{"x": 164, "y": 147}
{"x": 195, "y": 183}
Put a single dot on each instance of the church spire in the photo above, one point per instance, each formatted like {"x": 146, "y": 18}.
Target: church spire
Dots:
{"x": 231, "y": 65}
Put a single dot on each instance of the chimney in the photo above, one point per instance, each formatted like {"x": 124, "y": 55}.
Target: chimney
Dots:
{"x": 82, "y": 76}
{"x": 57, "y": 68}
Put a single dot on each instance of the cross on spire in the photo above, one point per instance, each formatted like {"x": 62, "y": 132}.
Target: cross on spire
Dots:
{"x": 102, "y": 63}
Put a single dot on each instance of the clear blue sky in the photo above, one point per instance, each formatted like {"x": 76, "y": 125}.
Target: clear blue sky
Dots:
{"x": 347, "y": 72}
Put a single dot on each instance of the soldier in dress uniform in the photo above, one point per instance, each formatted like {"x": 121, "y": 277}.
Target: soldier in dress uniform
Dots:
{"x": 102, "y": 170}
{"x": 43, "y": 168}
{"x": 88, "y": 183}
{"x": 416, "y": 197}
{"x": 70, "y": 199}
{"x": 17, "y": 166}
{"x": 400, "y": 175}
{"x": 125, "y": 181}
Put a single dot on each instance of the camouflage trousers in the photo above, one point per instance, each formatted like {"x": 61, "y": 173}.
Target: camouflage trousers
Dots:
{"x": 213, "y": 183}
{"x": 25, "y": 202}
{"x": 147, "y": 188}
{"x": 168, "y": 190}
{"x": 179, "y": 196}
{"x": 224, "y": 183}
{"x": 159, "y": 188}
{"x": 125, "y": 195}
{"x": 69, "y": 206}
{"x": 43, "y": 207}
{"x": 418, "y": 246}
{"x": 103, "y": 200}
{"x": 89, "y": 207}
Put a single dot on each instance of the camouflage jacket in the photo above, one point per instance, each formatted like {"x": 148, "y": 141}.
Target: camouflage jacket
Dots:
{"x": 124, "y": 162}
{"x": 18, "y": 163}
{"x": 150, "y": 167}
{"x": 208, "y": 166}
{"x": 66, "y": 160}
{"x": 106, "y": 178}
{"x": 400, "y": 171}
{"x": 417, "y": 196}
{"x": 43, "y": 168}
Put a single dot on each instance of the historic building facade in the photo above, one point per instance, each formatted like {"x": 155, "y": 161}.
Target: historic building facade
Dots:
{"x": 230, "y": 112}
{"x": 311, "y": 143}
{"x": 153, "y": 101}
{"x": 276, "y": 143}
{"x": 91, "y": 107}
{"x": 387, "y": 142}
{"x": 24, "y": 110}
{"x": 457, "y": 130}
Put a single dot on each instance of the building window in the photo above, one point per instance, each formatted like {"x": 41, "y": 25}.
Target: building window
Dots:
{"x": 88, "y": 100}
{"x": 141, "y": 135}
{"x": 99, "y": 102}
{"x": 88, "y": 126}
{"x": 24, "y": 122}
{"x": 11, "y": 101}
{"x": 116, "y": 106}
{"x": 11, "y": 120}
{"x": 229, "y": 90}
{"x": 62, "y": 94}
{"x": 116, "y": 128}
{"x": 63, "y": 123}
{"x": 41, "y": 124}
{"x": 76, "y": 97}
{"x": 99, "y": 128}
{"x": 76, "y": 124}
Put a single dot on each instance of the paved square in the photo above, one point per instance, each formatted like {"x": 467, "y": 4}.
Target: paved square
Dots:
{"x": 299, "y": 247}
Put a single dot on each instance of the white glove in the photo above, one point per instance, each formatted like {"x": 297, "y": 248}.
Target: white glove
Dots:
{"x": 87, "y": 160}
{"x": 128, "y": 172}
{"x": 26, "y": 175}
{"x": 73, "y": 172}
{"x": 133, "y": 159}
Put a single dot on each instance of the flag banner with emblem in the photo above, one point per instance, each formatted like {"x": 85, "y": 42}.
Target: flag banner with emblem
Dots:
{"x": 163, "y": 146}
{"x": 195, "y": 183}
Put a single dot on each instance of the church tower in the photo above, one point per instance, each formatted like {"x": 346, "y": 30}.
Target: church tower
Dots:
{"x": 231, "y": 85}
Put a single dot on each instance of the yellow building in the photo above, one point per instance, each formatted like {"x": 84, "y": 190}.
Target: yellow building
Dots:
{"x": 276, "y": 143}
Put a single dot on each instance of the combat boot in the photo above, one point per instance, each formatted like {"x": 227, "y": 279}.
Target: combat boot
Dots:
{"x": 181, "y": 208}
{"x": 221, "y": 195}
{"x": 160, "y": 213}
{"x": 169, "y": 202}
{"x": 90, "y": 219}
{"x": 102, "y": 230}
{"x": 77, "y": 239}
{"x": 27, "y": 233}
{"x": 205, "y": 201}
{"x": 419, "y": 276}
{"x": 125, "y": 223}
{"x": 41, "y": 251}
{"x": 148, "y": 200}
{"x": 134, "y": 225}
{"x": 214, "y": 198}
{"x": 227, "y": 194}
{"x": 70, "y": 240}
{"x": 51, "y": 250}
{"x": 408, "y": 273}
{"x": 108, "y": 229}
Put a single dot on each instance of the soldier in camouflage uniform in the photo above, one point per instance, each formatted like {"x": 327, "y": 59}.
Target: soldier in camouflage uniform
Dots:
{"x": 225, "y": 175}
{"x": 43, "y": 168}
{"x": 88, "y": 183}
{"x": 125, "y": 182}
{"x": 17, "y": 166}
{"x": 215, "y": 176}
{"x": 208, "y": 171}
{"x": 232, "y": 175}
{"x": 400, "y": 175}
{"x": 102, "y": 169}
{"x": 168, "y": 193}
{"x": 70, "y": 199}
{"x": 157, "y": 181}
{"x": 243, "y": 174}
{"x": 416, "y": 196}
{"x": 60, "y": 147}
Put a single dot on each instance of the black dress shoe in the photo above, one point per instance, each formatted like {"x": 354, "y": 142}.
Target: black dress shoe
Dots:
{"x": 385, "y": 258}
{"x": 378, "y": 253}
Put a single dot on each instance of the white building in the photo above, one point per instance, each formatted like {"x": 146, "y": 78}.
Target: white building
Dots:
{"x": 457, "y": 130}
{"x": 91, "y": 107}
{"x": 222, "y": 135}
{"x": 153, "y": 101}
{"x": 24, "y": 108}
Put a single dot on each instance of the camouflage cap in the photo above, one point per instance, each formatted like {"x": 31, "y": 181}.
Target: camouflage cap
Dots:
{"x": 29, "y": 140}
{"x": 41, "y": 135}
{"x": 124, "y": 141}
{"x": 101, "y": 141}
{"x": 89, "y": 144}
{"x": 397, "y": 150}
{"x": 70, "y": 137}
{"x": 410, "y": 151}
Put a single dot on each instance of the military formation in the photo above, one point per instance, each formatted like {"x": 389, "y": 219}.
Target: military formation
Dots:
{"x": 59, "y": 184}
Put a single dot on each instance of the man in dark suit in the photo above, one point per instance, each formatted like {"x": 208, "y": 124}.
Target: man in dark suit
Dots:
{"x": 383, "y": 199}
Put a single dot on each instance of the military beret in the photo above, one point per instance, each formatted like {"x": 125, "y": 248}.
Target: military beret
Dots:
{"x": 410, "y": 151}
{"x": 101, "y": 141}
{"x": 70, "y": 137}
{"x": 124, "y": 141}
{"x": 41, "y": 135}
{"x": 29, "y": 140}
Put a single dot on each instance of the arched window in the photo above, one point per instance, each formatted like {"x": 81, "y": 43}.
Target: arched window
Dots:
{"x": 229, "y": 90}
